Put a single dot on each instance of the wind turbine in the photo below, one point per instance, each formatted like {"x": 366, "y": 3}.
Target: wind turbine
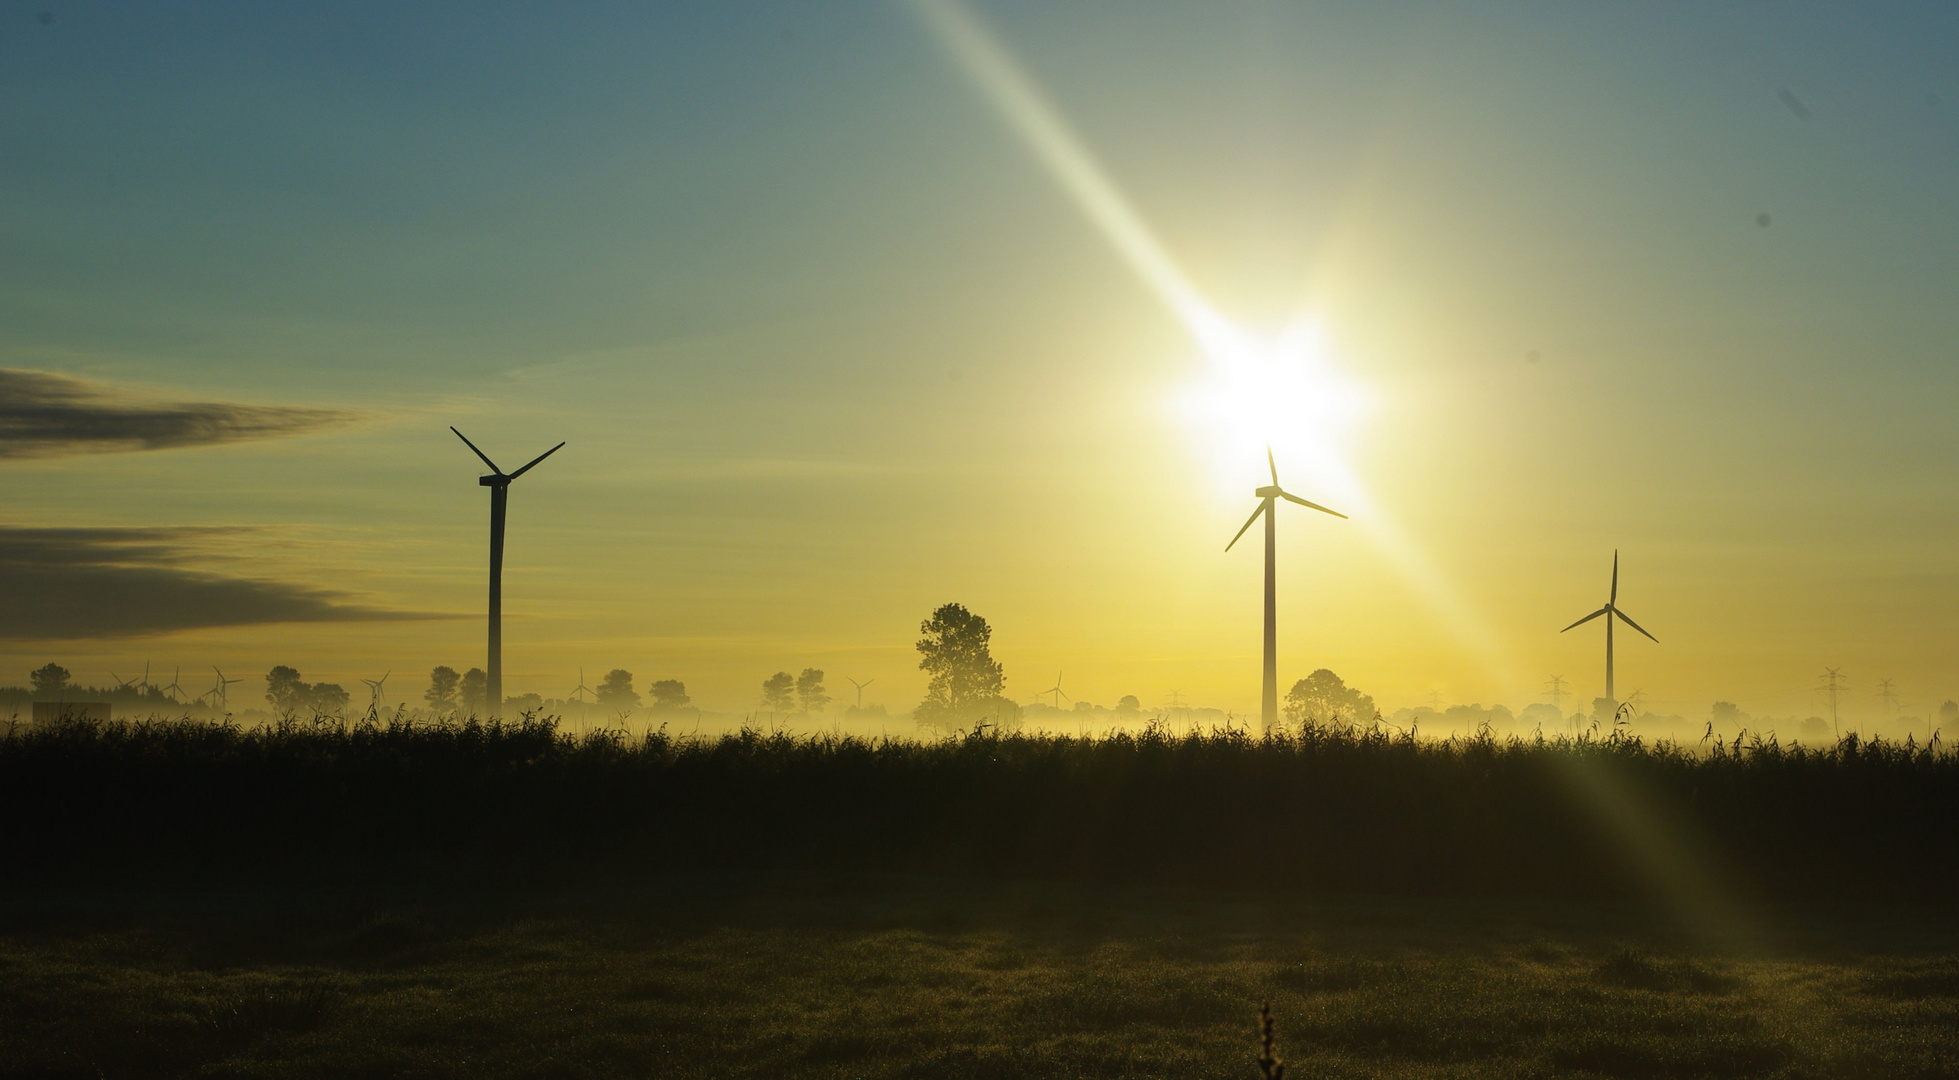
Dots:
{"x": 1611, "y": 610}
{"x": 174, "y": 689}
{"x": 499, "y": 484}
{"x": 220, "y": 693}
{"x": 1056, "y": 691}
{"x": 378, "y": 687}
{"x": 576, "y": 699}
{"x": 860, "y": 688}
{"x": 1269, "y": 696}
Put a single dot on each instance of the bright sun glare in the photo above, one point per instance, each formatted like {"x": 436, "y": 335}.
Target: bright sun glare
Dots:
{"x": 1284, "y": 393}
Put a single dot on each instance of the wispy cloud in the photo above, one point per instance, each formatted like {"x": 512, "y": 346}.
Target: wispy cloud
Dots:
{"x": 81, "y": 583}
{"x": 43, "y": 414}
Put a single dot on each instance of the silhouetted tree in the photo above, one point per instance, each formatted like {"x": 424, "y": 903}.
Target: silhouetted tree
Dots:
{"x": 775, "y": 692}
{"x": 669, "y": 694}
{"x": 1322, "y": 696}
{"x": 966, "y": 681}
{"x": 474, "y": 692}
{"x": 616, "y": 691}
{"x": 1948, "y": 712}
{"x": 51, "y": 680}
{"x": 520, "y": 704}
{"x": 809, "y": 690}
{"x": 327, "y": 697}
{"x": 1129, "y": 704}
{"x": 441, "y": 694}
{"x": 285, "y": 689}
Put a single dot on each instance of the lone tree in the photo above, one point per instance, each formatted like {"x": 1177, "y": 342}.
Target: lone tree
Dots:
{"x": 966, "y": 680}
{"x": 474, "y": 691}
{"x": 669, "y": 694}
{"x": 775, "y": 692}
{"x": 809, "y": 690}
{"x": 50, "y": 680}
{"x": 617, "y": 692}
{"x": 1323, "y": 696}
{"x": 441, "y": 694}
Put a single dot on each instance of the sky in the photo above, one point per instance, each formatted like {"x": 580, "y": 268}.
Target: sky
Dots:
{"x": 850, "y": 310}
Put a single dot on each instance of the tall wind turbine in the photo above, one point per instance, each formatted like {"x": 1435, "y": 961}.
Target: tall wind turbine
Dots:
{"x": 1611, "y": 611}
{"x": 1269, "y": 697}
{"x": 499, "y": 484}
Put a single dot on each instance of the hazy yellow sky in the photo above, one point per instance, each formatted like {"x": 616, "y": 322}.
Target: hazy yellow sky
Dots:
{"x": 835, "y": 336}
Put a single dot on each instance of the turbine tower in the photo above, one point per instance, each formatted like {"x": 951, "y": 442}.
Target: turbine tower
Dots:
{"x": 1269, "y": 696}
{"x": 1611, "y": 611}
{"x": 499, "y": 484}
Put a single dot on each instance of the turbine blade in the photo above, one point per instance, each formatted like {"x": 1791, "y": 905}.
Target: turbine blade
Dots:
{"x": 479, "y": 453}
{"x": 537, "y": 459}
{"x": 1587, "y": 618}
{"x": 1270, "y": 461}
{"x": 1634, "y": 625}
{"x": 1264, "y": 505}
{"x": 1290, "y": 497}
{"x": 1614, "y": 598}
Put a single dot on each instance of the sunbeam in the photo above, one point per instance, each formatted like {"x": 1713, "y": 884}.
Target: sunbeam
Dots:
{"x": 1284, "y": 393}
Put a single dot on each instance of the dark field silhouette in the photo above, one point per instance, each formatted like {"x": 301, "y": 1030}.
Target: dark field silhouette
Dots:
{"x": 1325, "y": 808}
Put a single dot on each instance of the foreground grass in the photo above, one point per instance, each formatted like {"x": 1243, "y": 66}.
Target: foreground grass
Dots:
{"x": 1336, "y": 808}
{"x": 909, "y": 977}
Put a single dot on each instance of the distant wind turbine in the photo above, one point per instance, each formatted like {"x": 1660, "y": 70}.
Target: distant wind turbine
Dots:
{"x": 221, "y": 690}
{"x": 860, "y": 688}
{"x": 174, "y": 689}
{"x": 378, "y": 687}
{"x": 577, "y": 696}
{"x": 1611, "y": 611}
{"x": 1056, "y": 691}
{"x": 499, "y": 484}
{"x": 1269, "y": 695}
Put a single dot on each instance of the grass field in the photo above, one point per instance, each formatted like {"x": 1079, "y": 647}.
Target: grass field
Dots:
{"x": 933, "y": 977}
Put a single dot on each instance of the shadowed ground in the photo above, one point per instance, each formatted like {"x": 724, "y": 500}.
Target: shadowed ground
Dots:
{"x": 916, "y": 977}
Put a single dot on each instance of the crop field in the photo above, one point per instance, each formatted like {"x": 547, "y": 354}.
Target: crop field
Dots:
{"x": 504, "y": 900}
{"x": 922, "y": 977}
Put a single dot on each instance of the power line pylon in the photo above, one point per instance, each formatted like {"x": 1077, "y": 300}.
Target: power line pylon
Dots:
{"x": 1833, "y": 681}
{"x": 1557, "y": 691}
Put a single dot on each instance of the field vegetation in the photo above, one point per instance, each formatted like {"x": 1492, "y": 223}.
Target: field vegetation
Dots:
{"x": 792, "y": 976}
{"x": 1322, "y": 807}
{"x": 486, "y": 899}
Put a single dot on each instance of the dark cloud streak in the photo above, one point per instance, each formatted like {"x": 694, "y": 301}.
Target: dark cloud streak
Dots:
{"x": 83, "y": 583}
{"x": 43, "y": 414}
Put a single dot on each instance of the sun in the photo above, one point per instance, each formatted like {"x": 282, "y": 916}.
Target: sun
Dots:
{"x": 1285, "y": 392}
